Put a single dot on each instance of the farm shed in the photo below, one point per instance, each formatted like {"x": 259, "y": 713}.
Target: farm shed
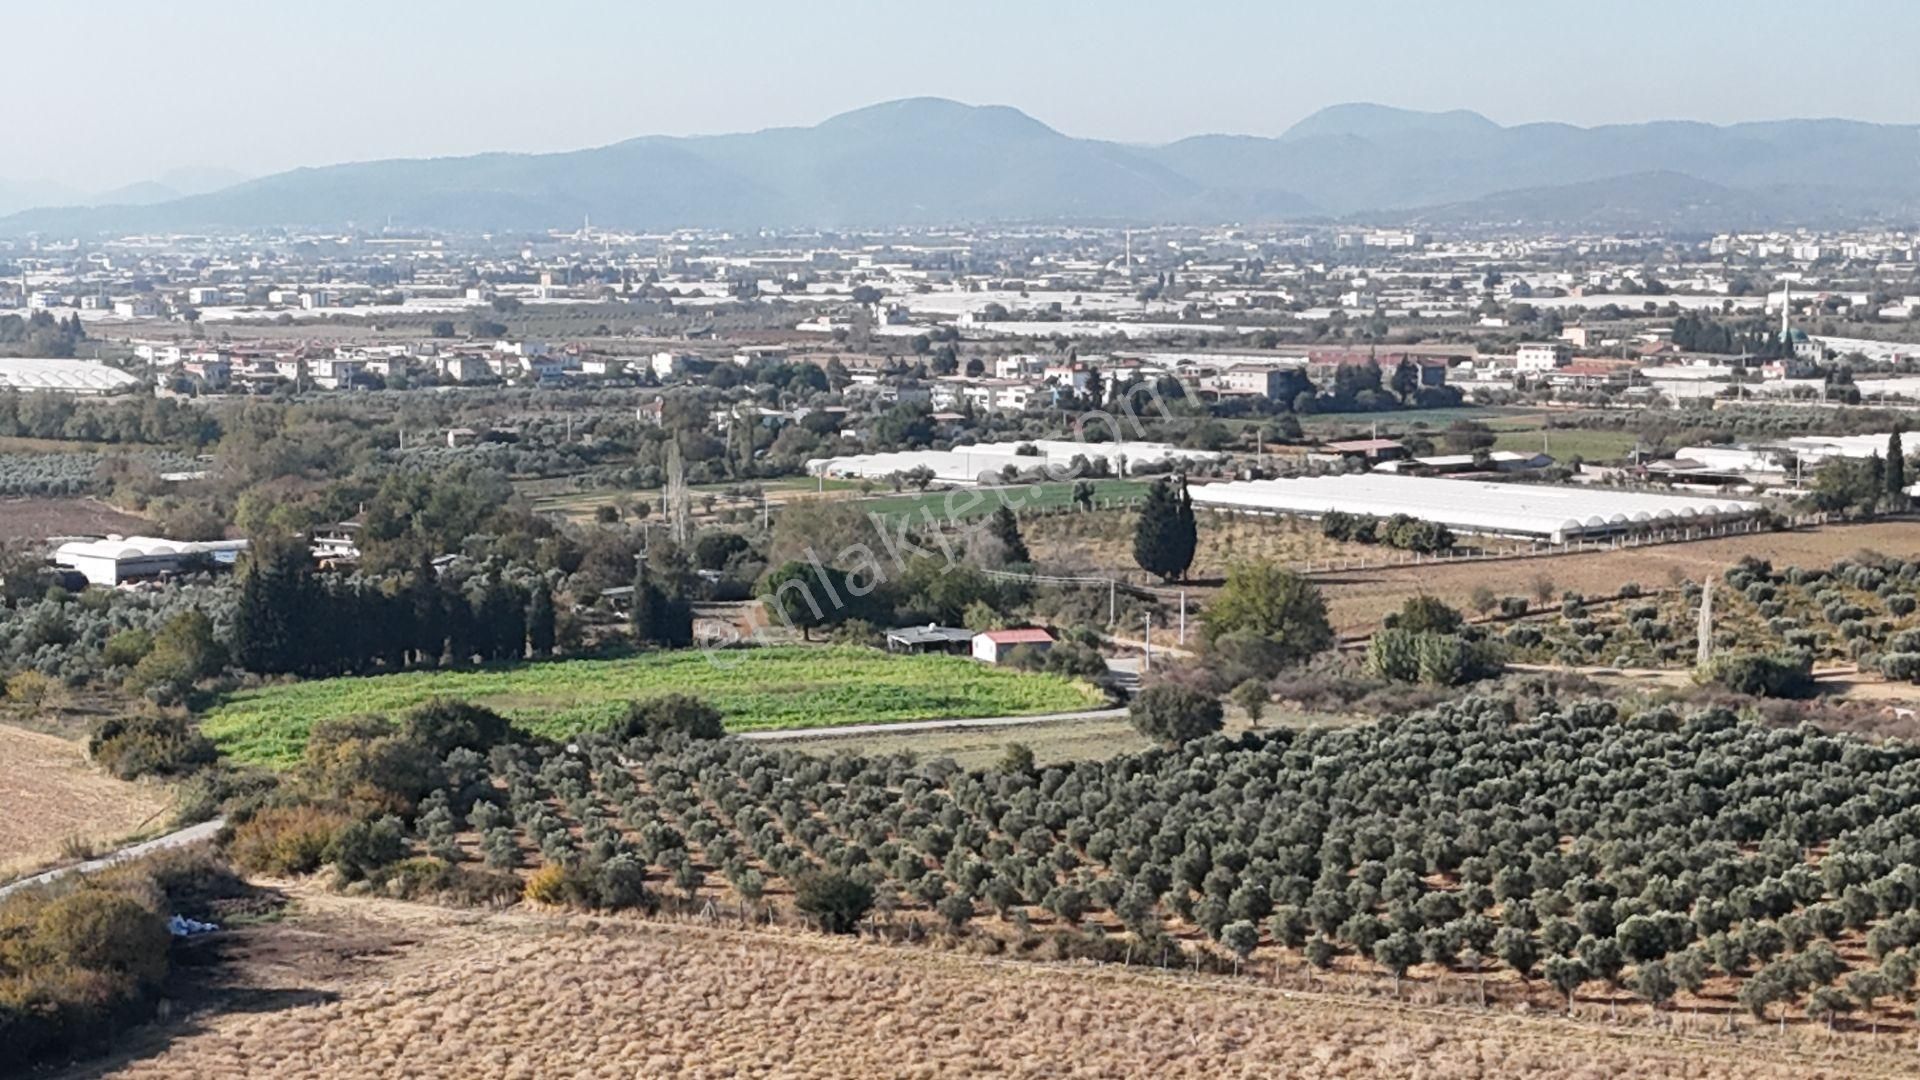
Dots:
{"x": 992, "y": 646}
{"x": 930, "y": 638}
{"x": 1535, "y": 511}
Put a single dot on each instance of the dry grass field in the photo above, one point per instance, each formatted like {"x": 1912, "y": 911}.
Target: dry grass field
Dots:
{"x": 1103, "y": 543}
{"x": 39, "y": 518}
{"x": 52, "y": 796}
{"x": 1358, "y": 600}
{"x": 348, "y": 988}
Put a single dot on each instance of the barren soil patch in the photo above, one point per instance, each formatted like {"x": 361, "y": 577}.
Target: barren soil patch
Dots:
{"x": 51, "y": 793}
{"x": 441, "y": 993}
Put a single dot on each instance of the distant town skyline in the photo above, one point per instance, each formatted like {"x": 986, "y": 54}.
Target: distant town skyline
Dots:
{"x": 135, "y": 91}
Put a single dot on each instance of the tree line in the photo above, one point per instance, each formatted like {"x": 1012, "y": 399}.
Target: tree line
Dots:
{"x": 289, "y": 620}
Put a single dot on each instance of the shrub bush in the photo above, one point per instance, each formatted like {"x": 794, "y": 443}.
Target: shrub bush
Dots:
{"x": 149, "y": 744}
{"x": 443, "y": 725}
{"x": 680, "y": 713}
{"x": 1901, "y": 665}
{"x": 835, "y": 900}
{"x": 286, "y": 840}
{"x": 1523, "y": 636}
{"x": 362, "y": 849}
{"x": 562, "y": 885}
{"x": 1788, "y": 675}
{"x": 1171, "y": 715}
{"x": 1434, "y": 659}
{"x": 77, "y": 962}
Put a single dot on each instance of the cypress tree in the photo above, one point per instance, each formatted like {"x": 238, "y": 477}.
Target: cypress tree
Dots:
{"x": 540, "y": 619}
{"x": 500, "y": 617}
{"x": 273, "y": 622}
{"x": 659, "y": 618}
{"x": 1005, "y": 527}
{"x": 1166, "y": 535}
{"x": 480, "y": 625}
{"x": 1896, "y": 470}
{"x": 427, "y": 614}
{"x": 457, "y": 618}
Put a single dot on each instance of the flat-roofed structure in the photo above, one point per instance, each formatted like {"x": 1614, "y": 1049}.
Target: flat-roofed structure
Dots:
{"x": 1541, "y": 512}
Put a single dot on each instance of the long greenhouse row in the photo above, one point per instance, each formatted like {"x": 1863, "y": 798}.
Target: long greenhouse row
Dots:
{"x": 1557, "y": 514}
{"x": 968, "y": 464}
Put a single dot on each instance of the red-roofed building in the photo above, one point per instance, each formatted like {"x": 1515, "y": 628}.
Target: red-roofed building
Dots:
{"x": 1588, "y": 373}
{"x": 992, "y": 646}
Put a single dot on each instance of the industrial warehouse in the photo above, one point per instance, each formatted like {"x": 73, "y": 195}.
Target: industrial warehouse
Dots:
{"x": 1553, "y": 514}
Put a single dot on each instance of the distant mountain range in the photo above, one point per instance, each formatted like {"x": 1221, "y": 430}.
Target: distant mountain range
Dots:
{"x": 16, "y": 195}
{"x": 927, "y": 161}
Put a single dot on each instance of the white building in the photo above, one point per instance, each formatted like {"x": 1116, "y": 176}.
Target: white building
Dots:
{"x": 668, "y": 364}
{"x": 1542, "y": 356}
{"x": 992, "y": 646}
{"x": 116, "y": 559}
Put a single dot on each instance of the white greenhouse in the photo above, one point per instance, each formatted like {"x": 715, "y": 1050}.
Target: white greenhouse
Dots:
{"x": 1555, "y": 514}
{"x": 968, "y": 464}
{"x": 65, "y": 376}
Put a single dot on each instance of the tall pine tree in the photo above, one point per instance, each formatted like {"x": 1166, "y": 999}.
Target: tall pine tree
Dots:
{"x": 1166, "y": 535}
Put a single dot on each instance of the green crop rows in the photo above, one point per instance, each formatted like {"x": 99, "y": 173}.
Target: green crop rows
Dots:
{"x": 787, "y": 687}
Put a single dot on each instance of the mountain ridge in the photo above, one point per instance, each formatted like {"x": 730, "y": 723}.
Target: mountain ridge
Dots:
{"x": 932, "y": 161}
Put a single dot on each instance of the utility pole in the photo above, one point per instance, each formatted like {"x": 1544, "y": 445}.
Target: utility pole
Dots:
{"x": 1183, "y": 616}
{"x": 1113, "y": 602}
{"x": 1147, "y": 664}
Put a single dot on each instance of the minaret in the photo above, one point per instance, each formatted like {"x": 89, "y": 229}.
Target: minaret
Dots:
{"x": 1786, "y": 308}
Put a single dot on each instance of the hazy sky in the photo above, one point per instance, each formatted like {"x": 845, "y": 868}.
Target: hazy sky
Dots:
{"x": 101, "y": 94}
